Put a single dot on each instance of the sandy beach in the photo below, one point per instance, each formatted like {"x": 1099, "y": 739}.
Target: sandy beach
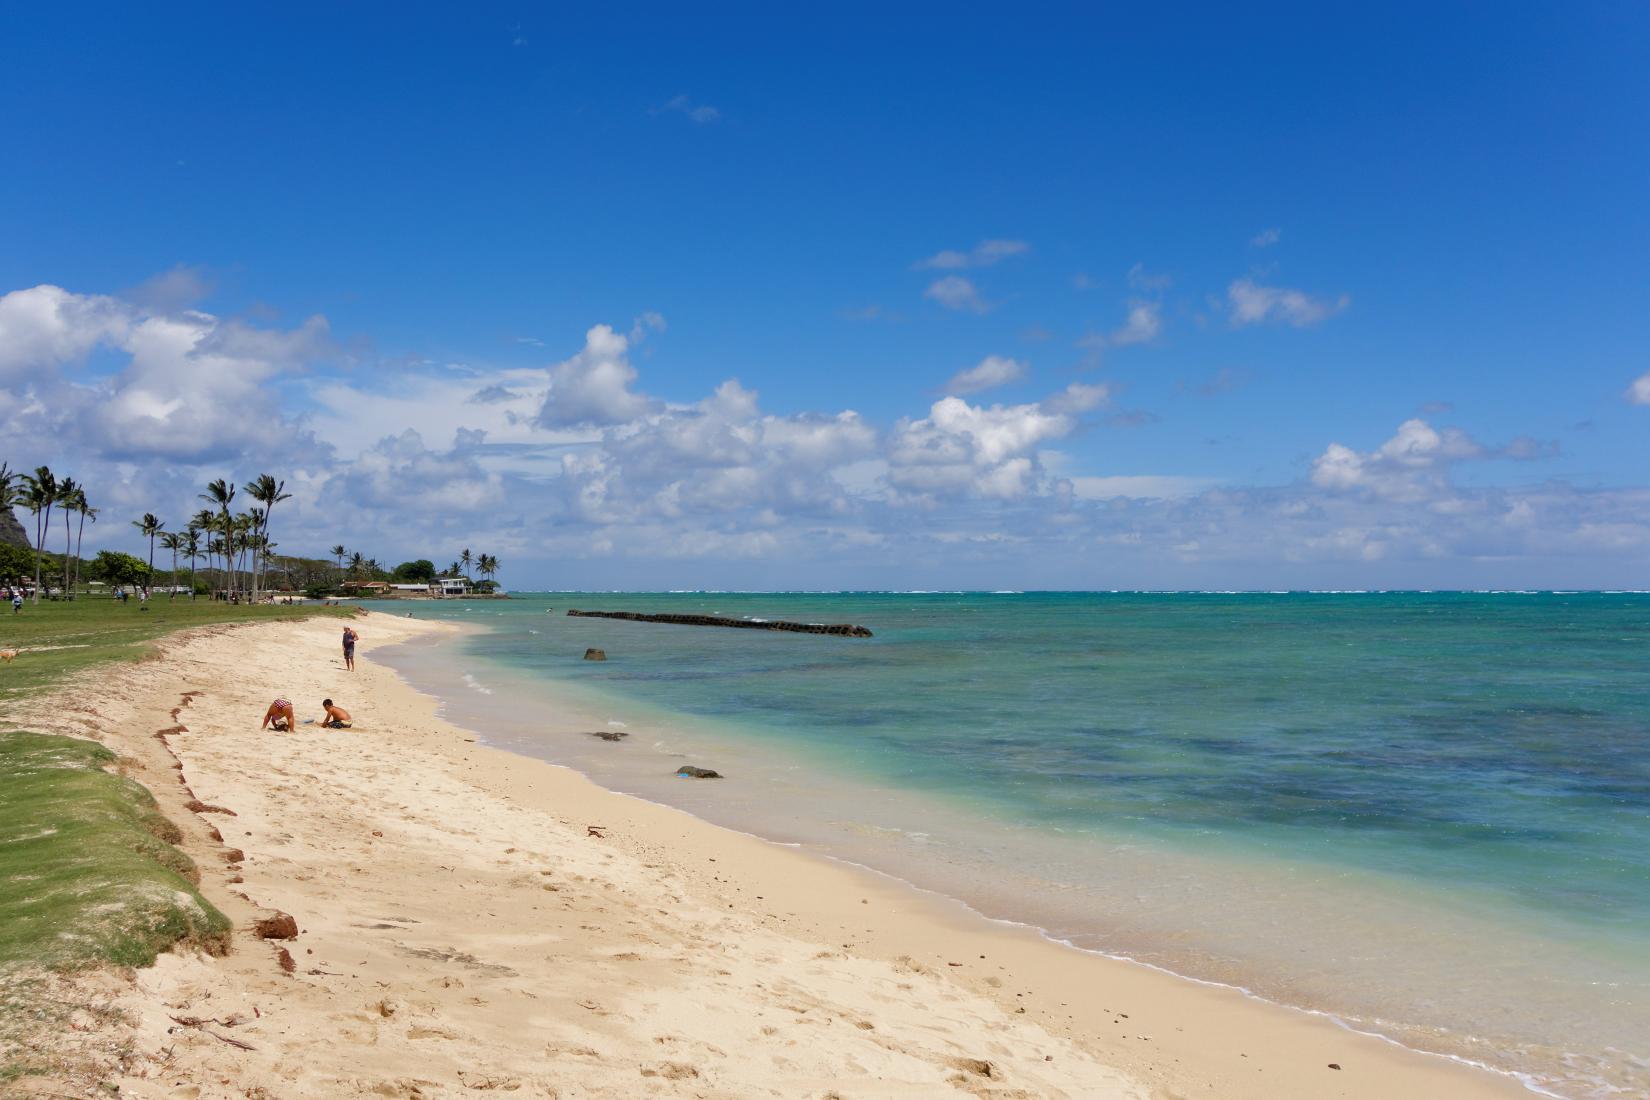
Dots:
{"x": 467, "y": 920}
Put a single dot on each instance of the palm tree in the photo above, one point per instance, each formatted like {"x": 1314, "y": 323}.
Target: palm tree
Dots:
{"x": 468, "y": 559}
{"x": 68, "y": 491}
{"x": 268, "y": 492}
{"x": 40, "y": 493}
{"x": 86, "y": 512}
{"x": 338, "y": 552}
{"x": 356, "y": 564}
{"x": 249, "y": 523}
{"x": 151, "y": 526}
{"x": 222, "y": 494}
{"x": 207, "y": 522}
{"x": 488, "y": 565}
{"x": 192, "y": 551}
{"x": 173, "y": 541}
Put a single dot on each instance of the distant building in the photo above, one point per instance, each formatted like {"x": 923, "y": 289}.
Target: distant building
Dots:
{"x": 365, "y": 586}
{"x": 420, "y": 589}
{"x": 451, "y": 586}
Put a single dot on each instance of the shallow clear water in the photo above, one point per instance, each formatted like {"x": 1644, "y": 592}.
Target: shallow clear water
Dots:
{"x": 1426, "y": 813}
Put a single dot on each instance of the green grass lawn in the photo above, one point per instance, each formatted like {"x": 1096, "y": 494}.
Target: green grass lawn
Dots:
{"x": 75, "y": 634}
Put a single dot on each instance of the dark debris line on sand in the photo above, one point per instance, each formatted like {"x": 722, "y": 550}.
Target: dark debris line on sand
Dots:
{"x": 841, "y": 630}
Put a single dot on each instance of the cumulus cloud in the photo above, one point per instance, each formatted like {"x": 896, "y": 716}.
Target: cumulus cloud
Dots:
{"x": 974, "y": 450}
{"x": 720, "y": 456}
{"x": 956, "y": 292}
{"x": 145, "y": 404}
{"x": 992, "y": 371}
{"x": 399, "y": 476}
{"x": 1411, "y": 466}
{"x": 1249, "y": 303}
{"x": 593, "y": 387}
{"x": 194, "y": 380}
{"x": 983, "y": 254}
{"x": 45, "y": 326}
{"x": 1639, "y": 392}
{"x": 189, "y": 384}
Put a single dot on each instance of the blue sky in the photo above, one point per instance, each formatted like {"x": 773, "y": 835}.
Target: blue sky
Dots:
{"x": 1014, "y": 297}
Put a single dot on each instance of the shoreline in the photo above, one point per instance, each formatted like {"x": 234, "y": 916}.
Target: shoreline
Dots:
{"x": 1045, "y": 1018}
{"x": 624, "y": 783}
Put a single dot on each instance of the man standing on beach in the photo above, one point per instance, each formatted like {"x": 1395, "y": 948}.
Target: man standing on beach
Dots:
{"x": 349, "y": 648}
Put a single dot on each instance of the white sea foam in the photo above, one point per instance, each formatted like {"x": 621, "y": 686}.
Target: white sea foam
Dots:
{"x": 476, "y": 685}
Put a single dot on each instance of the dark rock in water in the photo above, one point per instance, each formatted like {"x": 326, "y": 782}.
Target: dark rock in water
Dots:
{"x": 595, "y": 654}
{"x": 692, "y": 772}
{"x": 610, "y": 735}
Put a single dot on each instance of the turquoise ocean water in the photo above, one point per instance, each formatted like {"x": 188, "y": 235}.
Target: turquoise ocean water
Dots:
{"x": 1427, "y": 814}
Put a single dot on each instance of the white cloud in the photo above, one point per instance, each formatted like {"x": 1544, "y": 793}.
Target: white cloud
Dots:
{"x": 194, "y": 382}
{"x": 1252, "y": 304}
{"x": 965, "y": 492}
{"x": 992, "y": 371}
{"x": 1144, "y": 280}
{"x": 983, "y": 254}
{"x": 1266, "y": 238}
{"x": 1144, "y": 323}
{"x": 1079, "y": 397}
{"x": 964, "y": 449}
{"x": 46, "y": 326}
{"x": 1138, "y": 487}
{"x": 593, "y": 387}
{"x": 1410, "y": 466}
{"x": 399, "y": 477}
{"x": 701, "y": 113}
{"x": 1639, "y": 392}
{"x": 956, "y": 292}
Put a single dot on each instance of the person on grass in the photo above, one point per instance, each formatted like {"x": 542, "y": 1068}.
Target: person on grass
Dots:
{"x": 336, "y": 717}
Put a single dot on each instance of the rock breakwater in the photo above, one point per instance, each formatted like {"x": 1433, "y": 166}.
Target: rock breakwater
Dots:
{"x": 841, "y": 630}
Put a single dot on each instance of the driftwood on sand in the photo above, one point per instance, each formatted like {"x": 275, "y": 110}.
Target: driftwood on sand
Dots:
{"x": 842, "y": 630}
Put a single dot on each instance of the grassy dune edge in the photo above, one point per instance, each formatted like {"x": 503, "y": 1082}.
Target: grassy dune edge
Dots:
{"x": 87, "y": 864}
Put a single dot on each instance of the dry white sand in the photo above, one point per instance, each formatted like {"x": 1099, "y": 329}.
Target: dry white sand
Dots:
{"x": 473, "y": 921}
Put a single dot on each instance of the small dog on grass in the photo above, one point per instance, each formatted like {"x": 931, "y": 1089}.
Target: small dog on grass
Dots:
{"x": 6, "y": 655}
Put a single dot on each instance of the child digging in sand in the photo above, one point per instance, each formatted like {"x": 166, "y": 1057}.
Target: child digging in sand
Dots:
{"x": 336, "y": 717}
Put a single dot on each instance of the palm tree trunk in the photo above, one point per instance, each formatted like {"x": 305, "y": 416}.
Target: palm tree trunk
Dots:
{"x": 78, "y": 536}
{"x": 68, "y": 592}
{"x": 40, "y": 545}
